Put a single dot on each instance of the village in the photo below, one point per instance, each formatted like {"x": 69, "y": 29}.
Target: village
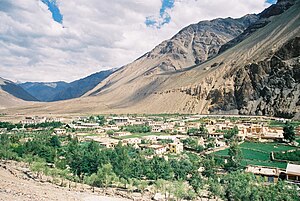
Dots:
{"x": 168, "y": 136}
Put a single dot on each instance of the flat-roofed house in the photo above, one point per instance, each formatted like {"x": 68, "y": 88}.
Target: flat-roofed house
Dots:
{"x": 151, "y": 138}
{"x": 159, "y": 149}
{"x": 176, "y": 147}
{"x": 293, "y": 172}
{"x": 111, "y": 127}
{"x": 268, "y": 174}
{"x": 156, "y": 129}
{"x": 132, "y": 141}
{"x": 180, "y": 129}
{"x": 121, "y": 121}
{"x": 216, "y": 135}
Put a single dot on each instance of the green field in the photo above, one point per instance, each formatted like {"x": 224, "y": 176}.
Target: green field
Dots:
{"x": 259, "y": 153}
{"x": 281, "y": 124}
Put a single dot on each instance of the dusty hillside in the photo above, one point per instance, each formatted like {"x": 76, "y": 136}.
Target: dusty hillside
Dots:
{"x": 259, "y": 75}
{"x": 17, "y": 186}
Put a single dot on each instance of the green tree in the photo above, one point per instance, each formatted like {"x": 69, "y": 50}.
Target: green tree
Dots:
{"x": 215, "y": 188}
{"x": 55, "y": 142}
{"x": 160, "y": 169}
{"x": 235, "y": 157}
{"x": 289, "y": 132}
{"x": 210, "y": 167}
{"x": 196, "y": 182}
{"x": 106, "y": 176}
{"x": 92, "y": 181}
{"x": 39, "y": 168}
{"x": 141, "y": 186}
{"x": 181, "y": 168}
{"x": 121, "y": 161}
{"x": 101, "y": 120}
{"x": 232, "y": 133}
{"x": 164, "y": 187}
{"x": 180, "y": 190}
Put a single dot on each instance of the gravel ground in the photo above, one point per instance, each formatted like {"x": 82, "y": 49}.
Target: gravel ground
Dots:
{"x": 16, "y": 187}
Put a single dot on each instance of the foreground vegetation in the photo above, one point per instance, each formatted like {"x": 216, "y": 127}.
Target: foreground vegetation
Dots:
{"x": 129, "y": 168}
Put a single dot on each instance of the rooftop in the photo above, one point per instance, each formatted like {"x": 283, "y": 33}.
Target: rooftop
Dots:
{"x": 293, "y": 169}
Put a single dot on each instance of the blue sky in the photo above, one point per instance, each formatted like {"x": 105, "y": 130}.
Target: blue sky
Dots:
{"x": 163, "y": 18}
{"x": 54, "y": 9}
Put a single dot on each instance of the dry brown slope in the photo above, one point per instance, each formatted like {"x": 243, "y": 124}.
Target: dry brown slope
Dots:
{"x": 204, "y": 87}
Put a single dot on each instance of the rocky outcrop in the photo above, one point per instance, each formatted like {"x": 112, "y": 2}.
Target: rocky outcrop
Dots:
{"x": 269, "y": 87}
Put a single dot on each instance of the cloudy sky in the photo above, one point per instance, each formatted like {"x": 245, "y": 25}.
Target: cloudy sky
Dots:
{"x": 51, "y": 40}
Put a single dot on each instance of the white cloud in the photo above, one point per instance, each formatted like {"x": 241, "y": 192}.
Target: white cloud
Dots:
{"x": 98, "y": 34}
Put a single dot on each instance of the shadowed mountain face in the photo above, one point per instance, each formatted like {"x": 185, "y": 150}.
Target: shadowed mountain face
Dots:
{"x": 54, "y": 91}
{"x": 44, "y": 91}
{"x": 15, "y": 90}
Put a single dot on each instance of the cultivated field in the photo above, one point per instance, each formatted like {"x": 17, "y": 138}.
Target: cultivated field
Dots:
{"x": 259, "y": 153}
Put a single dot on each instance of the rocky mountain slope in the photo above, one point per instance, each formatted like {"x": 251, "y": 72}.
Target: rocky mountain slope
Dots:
{"x": 12, "y": 95}
{"x": 54, "y": 91}
{"x": 263, "y": 20}
{"x": 258, "y": 75}
{"x": 197, "y": 43}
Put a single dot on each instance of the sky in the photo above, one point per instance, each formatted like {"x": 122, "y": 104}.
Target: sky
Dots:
{"x": 53, "y": 40}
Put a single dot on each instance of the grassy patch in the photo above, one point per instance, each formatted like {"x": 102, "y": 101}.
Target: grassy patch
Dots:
{"x": 266, "y": 147}
{"x": 281, "y": 124}
{"x": 259, "y": 153}
{"x": 246, "y": 162}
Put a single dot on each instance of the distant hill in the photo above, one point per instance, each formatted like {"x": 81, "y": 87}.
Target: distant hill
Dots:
{"x": 55, "y": 91}
{"x": 12, "y": 94}
{"x": 44, "y": 91}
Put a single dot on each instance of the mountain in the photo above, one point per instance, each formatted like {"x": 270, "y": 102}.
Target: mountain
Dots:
{"x": 54, "y": 91}
{"x": 258, "y": 75}
{"x": 196, "y": 43}
{"x": 79, "y": 87}
{"x": 12, "y": 94}
{"x": 191, "y": 46}
{"x": 44, "y": 91}
{"x": 263, "y": 19}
